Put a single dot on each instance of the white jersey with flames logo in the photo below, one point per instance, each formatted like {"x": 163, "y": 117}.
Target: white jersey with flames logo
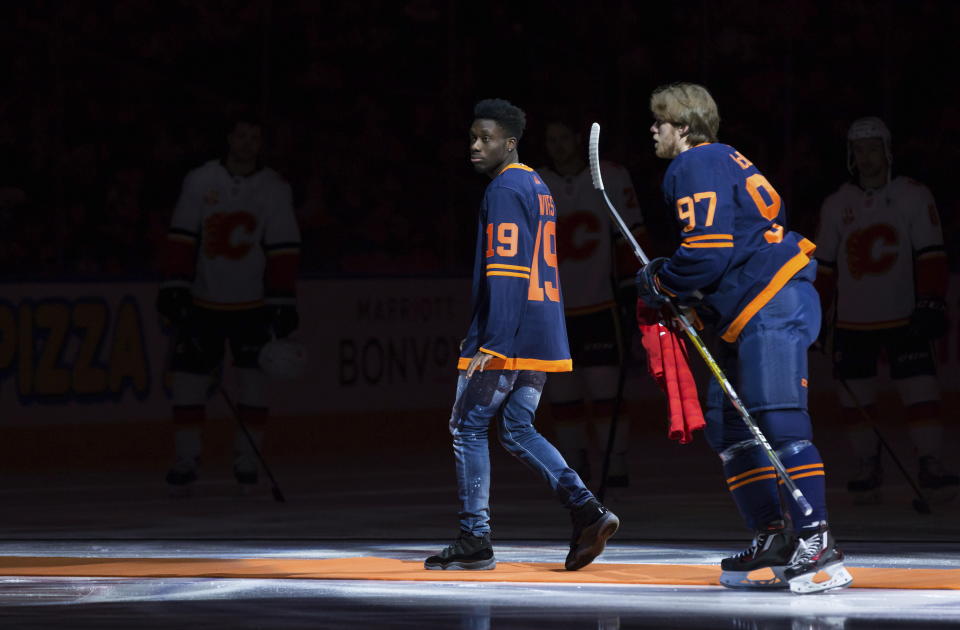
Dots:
{"x": 236, "y": 222}
{"x": 586, "y": 234}
{"x": 871, "y": 239}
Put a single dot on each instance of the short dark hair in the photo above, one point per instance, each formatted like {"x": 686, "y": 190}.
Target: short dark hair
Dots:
{"x": 504, "y": 113}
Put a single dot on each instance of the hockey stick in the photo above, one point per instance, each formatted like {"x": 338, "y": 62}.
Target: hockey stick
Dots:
{"x": 920, "y": 504}
{"x": 675, "y": 313}
{"x": 275, "y": 489}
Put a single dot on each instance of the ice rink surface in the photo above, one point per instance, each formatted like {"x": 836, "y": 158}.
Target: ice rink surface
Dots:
{"x": 48, "y": 602}
{"x": 401, "y": 504}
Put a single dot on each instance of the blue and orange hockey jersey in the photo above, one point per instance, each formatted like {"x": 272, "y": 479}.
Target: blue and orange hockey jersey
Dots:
{"x": 734, "y": 248}
{"x": 517, "y": 304}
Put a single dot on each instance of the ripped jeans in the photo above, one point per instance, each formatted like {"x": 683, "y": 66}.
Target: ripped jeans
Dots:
{"x": 512, "y": 397}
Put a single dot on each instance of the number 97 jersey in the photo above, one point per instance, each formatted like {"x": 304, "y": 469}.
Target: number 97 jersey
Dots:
{"x": 734, "y": 248}
{"x": 517, "y": 304}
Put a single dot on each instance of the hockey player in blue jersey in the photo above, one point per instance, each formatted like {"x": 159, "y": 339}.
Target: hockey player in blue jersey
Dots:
{"x": 516, "y": 336}
{"x": 750, "y": 277}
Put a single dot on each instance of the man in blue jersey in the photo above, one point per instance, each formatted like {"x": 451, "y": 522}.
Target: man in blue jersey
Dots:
{"x": 516, "y": 336}
{"x": 752, "y": 279}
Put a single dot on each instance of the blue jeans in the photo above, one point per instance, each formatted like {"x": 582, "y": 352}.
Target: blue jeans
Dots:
{"x": 512, "y": 397}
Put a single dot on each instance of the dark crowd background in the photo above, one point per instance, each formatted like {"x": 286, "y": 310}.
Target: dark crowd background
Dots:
{"x": 366, "y": 104}
{"x": 108, "y": 104}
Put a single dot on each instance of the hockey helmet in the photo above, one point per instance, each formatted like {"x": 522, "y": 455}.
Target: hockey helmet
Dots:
{"x": 283, "y": 359}
{"x": 868, "y": 127}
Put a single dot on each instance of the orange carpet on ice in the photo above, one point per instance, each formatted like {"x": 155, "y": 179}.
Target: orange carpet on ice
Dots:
{"x": 369, "y": 568}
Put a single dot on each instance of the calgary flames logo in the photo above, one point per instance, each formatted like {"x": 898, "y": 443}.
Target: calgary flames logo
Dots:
{"x": 578, "y": 235}
{"x": 219, "y": 230}
{"x": 872, "y": 250}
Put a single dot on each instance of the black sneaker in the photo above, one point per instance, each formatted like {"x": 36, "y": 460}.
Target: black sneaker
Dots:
{"x": 772, "y": 548}
{"x": 467, "y": 552}
{"x": 593, "y": 524}
{"x": 816, "y": 551}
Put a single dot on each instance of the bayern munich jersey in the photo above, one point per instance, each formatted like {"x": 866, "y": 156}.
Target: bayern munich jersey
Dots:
{"x": 224, "y": 230}
{"x": 734, "y": 248}
{"x": 586, "y": 235}
{"x": 517, "y": 305}
{"x": 869, "y": 239}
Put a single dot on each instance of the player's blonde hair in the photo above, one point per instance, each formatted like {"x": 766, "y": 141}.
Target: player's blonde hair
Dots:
{"x": 687, "y": 104}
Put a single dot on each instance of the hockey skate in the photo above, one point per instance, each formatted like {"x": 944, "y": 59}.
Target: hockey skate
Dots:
{"x": 937, "y": 484}
{"x": 182, "y": 476}
{"x": 865, "y": 488}
{"x": 771, "y": 549}
{"x": 467, "y": 552}
{"x": 816, "y": 553}
{"x": 593, "y": 524}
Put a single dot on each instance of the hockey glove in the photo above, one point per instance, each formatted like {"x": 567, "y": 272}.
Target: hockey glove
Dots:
{"x": 929, "y": 318}
{"x": 648, "y": 289}
{"x": 284, "y": 319}
{"x": 175, "y": 304}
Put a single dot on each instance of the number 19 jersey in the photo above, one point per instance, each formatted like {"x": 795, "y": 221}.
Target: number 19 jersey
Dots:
{"x": 517, "y": 304}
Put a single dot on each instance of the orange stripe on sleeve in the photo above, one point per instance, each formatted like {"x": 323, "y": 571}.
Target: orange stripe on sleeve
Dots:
{"x": 707, "y": 237}
{"x": 513, "y": 267}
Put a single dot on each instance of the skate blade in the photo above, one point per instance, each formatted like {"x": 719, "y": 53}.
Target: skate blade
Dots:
{"x": 772, "y": 579}
{"x": 838, "y": 577}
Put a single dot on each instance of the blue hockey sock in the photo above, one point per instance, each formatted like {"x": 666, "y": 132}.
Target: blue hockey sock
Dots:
{"x": 790, "y": 432}
{"x": 753, "y": 483}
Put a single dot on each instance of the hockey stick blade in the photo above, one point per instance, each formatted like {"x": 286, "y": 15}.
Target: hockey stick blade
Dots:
{"x": 594, "y": 152}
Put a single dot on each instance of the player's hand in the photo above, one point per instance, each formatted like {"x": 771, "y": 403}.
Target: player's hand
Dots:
{"x": 175, "y": 304}
{"x": 478, "y": 362}
{"x": 647, "y": 287}
{"x": 929, "y": 318}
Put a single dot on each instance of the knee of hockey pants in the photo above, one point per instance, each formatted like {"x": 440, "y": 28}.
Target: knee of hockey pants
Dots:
{"x": 253, "y": 387}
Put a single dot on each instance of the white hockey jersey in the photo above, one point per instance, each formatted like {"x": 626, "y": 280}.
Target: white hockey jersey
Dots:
{"x": 586, "y": 235}
{"x": 232, "y": 224}
{"x": 871, "y": 239}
